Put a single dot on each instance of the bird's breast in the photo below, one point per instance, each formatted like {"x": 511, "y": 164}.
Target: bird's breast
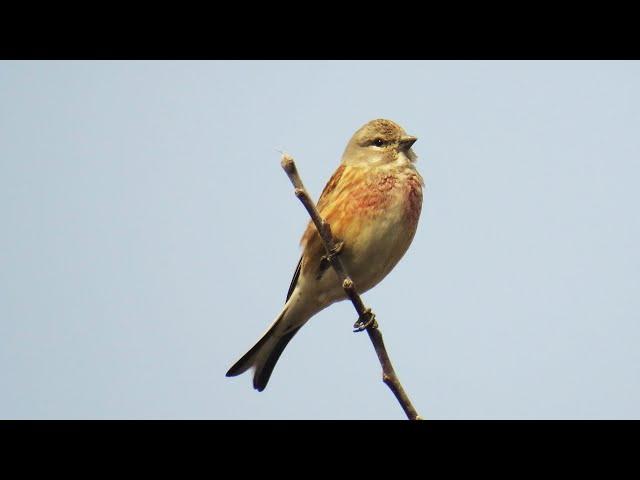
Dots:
{"x": 379, "y": 222}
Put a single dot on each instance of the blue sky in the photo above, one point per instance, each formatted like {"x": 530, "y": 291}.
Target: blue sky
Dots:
{"x": 149, "y": 237}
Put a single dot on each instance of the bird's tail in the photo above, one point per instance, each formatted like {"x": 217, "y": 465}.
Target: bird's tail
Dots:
{"x": 266, "y": 352}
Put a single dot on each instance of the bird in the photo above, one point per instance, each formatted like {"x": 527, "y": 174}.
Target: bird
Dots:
{"x": 373, "y": 203}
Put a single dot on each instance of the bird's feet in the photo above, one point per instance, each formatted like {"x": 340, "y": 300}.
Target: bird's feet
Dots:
{"x": 366, "y": 320}
{"x": 337, "y": 248}
{"x": 325, "y": 260}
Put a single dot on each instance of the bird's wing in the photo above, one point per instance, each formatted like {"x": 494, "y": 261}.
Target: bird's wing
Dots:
{"x": 313, "y": 248}
{"x": 330, "y": 188}
{"x": 294, "y": 280}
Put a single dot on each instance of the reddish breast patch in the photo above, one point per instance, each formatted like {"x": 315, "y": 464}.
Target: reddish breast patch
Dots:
{"x": 414, "y": 199}
{"x": 371, "y": 193}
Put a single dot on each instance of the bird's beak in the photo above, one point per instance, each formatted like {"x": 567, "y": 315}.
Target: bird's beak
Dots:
{"x": 407, "y": 141}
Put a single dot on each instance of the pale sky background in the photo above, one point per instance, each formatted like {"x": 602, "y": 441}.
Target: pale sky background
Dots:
{"x": 149, "y": 236}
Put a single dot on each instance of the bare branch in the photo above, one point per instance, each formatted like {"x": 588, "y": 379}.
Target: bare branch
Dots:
{"x": 366, "y": 318}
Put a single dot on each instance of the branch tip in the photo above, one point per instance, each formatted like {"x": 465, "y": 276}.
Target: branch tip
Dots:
{"x": 287, "y": 163}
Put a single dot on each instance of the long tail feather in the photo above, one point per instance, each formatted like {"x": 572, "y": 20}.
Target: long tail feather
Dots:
{"x": 264, "y": 355}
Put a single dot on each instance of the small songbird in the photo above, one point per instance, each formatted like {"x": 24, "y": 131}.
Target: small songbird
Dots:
{"x": 373, "y": 203}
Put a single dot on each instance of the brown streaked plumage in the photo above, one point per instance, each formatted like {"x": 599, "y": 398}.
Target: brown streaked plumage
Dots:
{"x": 372, "y": 202}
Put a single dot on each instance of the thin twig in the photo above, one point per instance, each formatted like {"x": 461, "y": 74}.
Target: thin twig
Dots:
{"x": 366, "y": 318}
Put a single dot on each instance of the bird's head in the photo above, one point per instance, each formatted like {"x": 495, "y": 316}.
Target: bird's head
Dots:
{"x": 379, "y": 142}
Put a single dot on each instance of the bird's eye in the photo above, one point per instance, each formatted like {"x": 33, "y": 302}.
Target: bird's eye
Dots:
{"x": 378, "y": 142}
